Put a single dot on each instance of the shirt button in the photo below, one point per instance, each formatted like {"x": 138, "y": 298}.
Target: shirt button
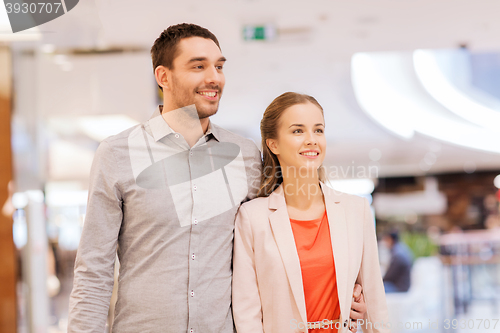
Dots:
{"x": 195, "y": 221}
{"x": 192, "y": 293}
{"x": 191, "y": 153}
{"x": 191, "y": 331}
{"x": 194, "y": 187}
{"x": 193, "y": 256}
{"x": 177, "y": 136}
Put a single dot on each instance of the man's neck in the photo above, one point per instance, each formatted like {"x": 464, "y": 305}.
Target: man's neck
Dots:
{"x": 185, "y": 121}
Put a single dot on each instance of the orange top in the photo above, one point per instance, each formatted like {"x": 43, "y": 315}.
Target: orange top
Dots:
{"x": 314, "y": 247}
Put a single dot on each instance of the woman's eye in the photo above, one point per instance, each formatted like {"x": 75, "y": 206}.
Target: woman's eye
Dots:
{"x": 297, "y": 131}
{"x": 319, "y": 130}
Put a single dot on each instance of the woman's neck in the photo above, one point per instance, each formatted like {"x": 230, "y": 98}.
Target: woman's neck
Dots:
{"x": 302, "y": 193}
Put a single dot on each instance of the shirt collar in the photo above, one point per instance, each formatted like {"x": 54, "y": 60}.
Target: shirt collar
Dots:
{"x": 160, "y": 129}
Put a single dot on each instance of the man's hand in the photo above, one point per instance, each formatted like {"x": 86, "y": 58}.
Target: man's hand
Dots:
{"x": 358, "y": 307}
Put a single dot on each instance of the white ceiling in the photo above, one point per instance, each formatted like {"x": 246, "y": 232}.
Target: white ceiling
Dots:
{"x": 316, "y": 60}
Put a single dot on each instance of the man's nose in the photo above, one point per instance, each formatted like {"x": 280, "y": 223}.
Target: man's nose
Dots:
{"x": 213, "y": 76}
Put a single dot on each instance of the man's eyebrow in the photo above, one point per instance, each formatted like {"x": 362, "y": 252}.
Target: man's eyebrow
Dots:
{"x": 223, "y": 59}
{"x": 197, "y": 59}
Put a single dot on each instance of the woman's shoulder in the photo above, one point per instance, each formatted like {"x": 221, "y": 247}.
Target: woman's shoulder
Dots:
{"x": 256, "y": 204}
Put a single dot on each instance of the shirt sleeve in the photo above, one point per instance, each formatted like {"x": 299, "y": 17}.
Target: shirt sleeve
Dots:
{"x": 254, "y": 173}
{"x": 94, "y": 265}
{"x": 247, "y": 308}
{"x": 370, "y": 278}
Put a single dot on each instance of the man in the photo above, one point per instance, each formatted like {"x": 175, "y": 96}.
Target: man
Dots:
{"x": 163, "y": 196}
{"x": 397, "y": 276}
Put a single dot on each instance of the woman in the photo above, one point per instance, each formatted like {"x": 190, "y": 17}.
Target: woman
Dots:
{"x": 299, "y": 248}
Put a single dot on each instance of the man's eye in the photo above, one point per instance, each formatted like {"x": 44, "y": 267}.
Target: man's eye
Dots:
{"x": 199, "y": 67}
{"x": 219, "y": 67}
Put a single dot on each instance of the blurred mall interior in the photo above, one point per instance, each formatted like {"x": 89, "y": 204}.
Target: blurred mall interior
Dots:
{"x": 411, "y": 93}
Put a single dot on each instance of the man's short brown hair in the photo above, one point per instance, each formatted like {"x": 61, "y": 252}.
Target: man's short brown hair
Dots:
{"x": 164, "y": 49}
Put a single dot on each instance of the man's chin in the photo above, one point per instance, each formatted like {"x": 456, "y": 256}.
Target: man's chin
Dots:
{"x": 207, "y": 112}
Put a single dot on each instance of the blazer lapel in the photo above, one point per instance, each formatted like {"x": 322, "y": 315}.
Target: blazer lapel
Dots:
{"x": 338, "y": 235}
{"x": 283, "y": 235}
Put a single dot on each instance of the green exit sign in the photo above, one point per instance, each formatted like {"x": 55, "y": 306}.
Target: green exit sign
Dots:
{"x": 259, "y": 32}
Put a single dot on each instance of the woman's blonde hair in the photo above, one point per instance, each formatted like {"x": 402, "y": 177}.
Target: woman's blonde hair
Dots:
{"x": 271, "y": 171}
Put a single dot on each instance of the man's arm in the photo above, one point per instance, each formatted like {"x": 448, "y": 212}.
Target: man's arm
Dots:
{"x": 93, "y": 280}
{"x": 254, "y": 172}
{"x": 358, "y": 307}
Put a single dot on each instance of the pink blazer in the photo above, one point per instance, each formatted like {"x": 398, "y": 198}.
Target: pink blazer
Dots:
{"x": 268, "y": 294}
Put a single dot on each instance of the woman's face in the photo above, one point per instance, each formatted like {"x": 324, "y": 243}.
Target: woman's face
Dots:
{"x": 301, "y": 142}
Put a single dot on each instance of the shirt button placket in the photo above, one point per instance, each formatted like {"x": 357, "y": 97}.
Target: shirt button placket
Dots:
{"x": 193, "y": 249}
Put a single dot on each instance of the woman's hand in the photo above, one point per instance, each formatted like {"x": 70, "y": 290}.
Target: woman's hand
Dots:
{"x": 358, "y": 307}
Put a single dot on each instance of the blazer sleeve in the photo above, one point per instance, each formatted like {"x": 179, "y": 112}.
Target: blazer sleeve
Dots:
{"x": 370, "y": 278}
{"x": 247, "y": 309}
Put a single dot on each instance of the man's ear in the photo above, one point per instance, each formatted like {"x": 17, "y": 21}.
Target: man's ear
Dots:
{"x": 273, "y": 146}
{"x": 162, "y": 75}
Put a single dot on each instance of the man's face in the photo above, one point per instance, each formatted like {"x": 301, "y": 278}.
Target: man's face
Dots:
{"x": 197, "y": 77}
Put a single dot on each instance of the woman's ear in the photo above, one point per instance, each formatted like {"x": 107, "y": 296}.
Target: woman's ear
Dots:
{"x": 272, "y": 144}
{"x": 162, "y": 77}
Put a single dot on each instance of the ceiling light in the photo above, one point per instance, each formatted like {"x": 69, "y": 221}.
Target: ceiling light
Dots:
{"x": 101, "y": 127}
{"x": 354, "y": 186}
{"x": 496, "y": 181}
{"x": 388, "y": 90}
{"x": 440, "y": 88}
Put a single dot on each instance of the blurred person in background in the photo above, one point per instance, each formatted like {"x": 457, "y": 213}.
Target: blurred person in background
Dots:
{"x": 397, "y": 276}
{"x": 149, "y": 198}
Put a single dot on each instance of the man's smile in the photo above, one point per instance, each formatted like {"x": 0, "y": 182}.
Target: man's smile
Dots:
{"x": 210, "y": 95}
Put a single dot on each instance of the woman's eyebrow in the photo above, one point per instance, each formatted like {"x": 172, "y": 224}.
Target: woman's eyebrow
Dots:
{"x": 300, "y": 125}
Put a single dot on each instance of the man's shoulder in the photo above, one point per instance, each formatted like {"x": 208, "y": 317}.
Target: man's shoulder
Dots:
{"x": 120, "y": 139}
{"x": 228, "y": 136}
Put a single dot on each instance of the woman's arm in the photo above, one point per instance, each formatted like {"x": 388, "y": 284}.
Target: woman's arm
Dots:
{"x": 376, "y": 317}
{"x": 247, "y": 309}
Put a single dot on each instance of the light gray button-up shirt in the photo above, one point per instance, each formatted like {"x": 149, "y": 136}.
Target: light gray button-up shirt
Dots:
{"x": 168, "y": 210}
